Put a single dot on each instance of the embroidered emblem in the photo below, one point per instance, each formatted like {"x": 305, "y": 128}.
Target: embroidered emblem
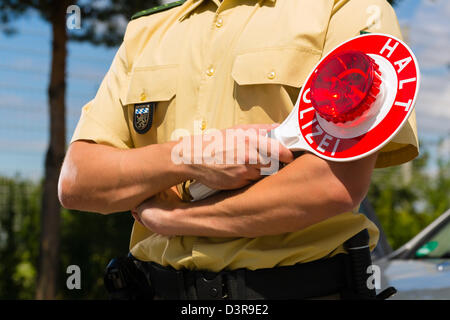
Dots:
{"x": 143, "y": 117}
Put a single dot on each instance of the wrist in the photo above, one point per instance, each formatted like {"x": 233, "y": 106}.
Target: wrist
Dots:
{"x": 175, "y": 223}
{"x": 184, "y": 164}
{"x": 176, "y": 165}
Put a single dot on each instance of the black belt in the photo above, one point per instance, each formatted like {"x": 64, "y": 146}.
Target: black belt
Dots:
{"x": 301, "y": 281}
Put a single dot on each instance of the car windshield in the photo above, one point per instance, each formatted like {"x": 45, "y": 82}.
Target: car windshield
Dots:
{"x": 438, "y": 246}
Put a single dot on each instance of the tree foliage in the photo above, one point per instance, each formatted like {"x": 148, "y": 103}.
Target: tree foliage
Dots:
{"x": 87, "y": 240}
{"x": 19, "y": 237}
{"x": 406, "y": 205}
{"x": 103, "y": 22}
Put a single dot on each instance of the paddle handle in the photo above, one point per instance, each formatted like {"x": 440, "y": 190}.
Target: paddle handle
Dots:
{"x": 199, "y": 191}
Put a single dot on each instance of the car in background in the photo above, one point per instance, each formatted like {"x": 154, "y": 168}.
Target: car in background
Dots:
{"x": 420, "y": 269}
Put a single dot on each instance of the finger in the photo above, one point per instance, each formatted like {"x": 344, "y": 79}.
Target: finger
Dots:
{"x": 254, "y": 173}
{"x": 265, "y": 162}
{"x": 273, "y": 149}
{"x": 284, "y": 154}
{"x": 136, "y": 216}
{"x": 259, "y": 165}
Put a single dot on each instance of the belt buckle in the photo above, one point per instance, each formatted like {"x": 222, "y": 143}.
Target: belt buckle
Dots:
{"x": 209, "y": 285}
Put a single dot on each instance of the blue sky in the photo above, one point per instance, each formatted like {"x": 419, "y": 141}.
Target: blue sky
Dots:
{"x": 25, "y": 61}
{"x": 24, "y": 70}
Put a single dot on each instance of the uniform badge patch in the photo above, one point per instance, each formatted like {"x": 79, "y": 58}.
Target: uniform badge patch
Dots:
{"x": 143, "y": 117}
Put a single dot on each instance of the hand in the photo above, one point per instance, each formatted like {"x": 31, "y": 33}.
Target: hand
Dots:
{"x": 154, "y": 213}
{"x": 233, "y": 158}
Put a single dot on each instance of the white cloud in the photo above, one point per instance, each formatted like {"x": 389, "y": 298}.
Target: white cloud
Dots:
{"x": 429, "y": 34}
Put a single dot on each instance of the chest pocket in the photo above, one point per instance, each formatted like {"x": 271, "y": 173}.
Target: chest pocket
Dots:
{"x": 267, "y": 82}
{"x": 149, "y": 98}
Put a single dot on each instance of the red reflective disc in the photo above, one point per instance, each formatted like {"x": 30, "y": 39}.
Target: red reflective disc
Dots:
{"x": 357, "y": 139}
{"x": 341, "y": 87}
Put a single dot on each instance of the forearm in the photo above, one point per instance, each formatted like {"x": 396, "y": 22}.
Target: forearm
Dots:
{"x": 307, "y": 191}
{"x": 103, "y": 179}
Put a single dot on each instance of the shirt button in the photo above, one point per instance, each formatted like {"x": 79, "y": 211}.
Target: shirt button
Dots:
{"x": 210, "y": 71}
{"x": 203, "y": 127}
{"x": 271, "y": 75}
{"x": 219, "y": 22}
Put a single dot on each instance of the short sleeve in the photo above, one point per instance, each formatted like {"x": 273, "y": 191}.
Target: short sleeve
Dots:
{"x": 104, "y": 120}
{"x": 349, "y": 18}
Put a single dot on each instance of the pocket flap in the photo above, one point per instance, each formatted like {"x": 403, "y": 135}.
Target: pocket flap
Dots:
{"x": 147, "y": 84}
{"x": 287, "y": 66}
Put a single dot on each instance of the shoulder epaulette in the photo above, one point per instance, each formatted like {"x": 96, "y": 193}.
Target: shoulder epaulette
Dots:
{"x": 160, "y": 8}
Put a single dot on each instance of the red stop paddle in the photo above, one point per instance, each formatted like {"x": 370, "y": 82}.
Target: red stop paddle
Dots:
{"x": 353, "y": 102}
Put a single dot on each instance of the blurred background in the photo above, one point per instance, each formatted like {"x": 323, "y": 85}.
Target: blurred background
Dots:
{"x": 40, "y": 105}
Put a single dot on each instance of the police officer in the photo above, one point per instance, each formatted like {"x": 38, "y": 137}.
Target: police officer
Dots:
{"x": 200, "y": 64}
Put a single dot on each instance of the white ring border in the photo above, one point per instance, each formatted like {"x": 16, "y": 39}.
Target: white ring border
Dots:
{"x": 381, "y": 145}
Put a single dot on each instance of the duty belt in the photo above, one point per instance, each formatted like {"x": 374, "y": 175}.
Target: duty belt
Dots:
{"x": 302, "y": 281}
{"x": 343, "y": 274}
{"x": 307, "y": 280}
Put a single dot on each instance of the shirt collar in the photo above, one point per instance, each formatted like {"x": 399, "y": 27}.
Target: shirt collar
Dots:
{"x": 195, "y": 3}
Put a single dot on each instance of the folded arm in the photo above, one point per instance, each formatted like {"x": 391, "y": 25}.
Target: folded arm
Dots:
{"x": 104, "y": 179}
{"x": 305, "y": 192}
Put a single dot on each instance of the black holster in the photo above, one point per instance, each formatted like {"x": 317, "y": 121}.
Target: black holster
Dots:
{"x": 124, "y": 281}
{"x": 360, "y": 259}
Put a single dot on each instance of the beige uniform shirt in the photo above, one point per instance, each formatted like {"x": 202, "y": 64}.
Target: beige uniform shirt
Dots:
{"x": 211, "y": 64}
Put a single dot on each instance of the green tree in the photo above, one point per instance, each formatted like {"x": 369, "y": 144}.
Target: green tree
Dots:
{"x": 19, "y": 229}
{"x": 90, "y": 241}
{"x": 94, "y": 13}
{"x": 8, "y": 251}
{"x": 406, "y": 206}
{"x": 87, "y": 240}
